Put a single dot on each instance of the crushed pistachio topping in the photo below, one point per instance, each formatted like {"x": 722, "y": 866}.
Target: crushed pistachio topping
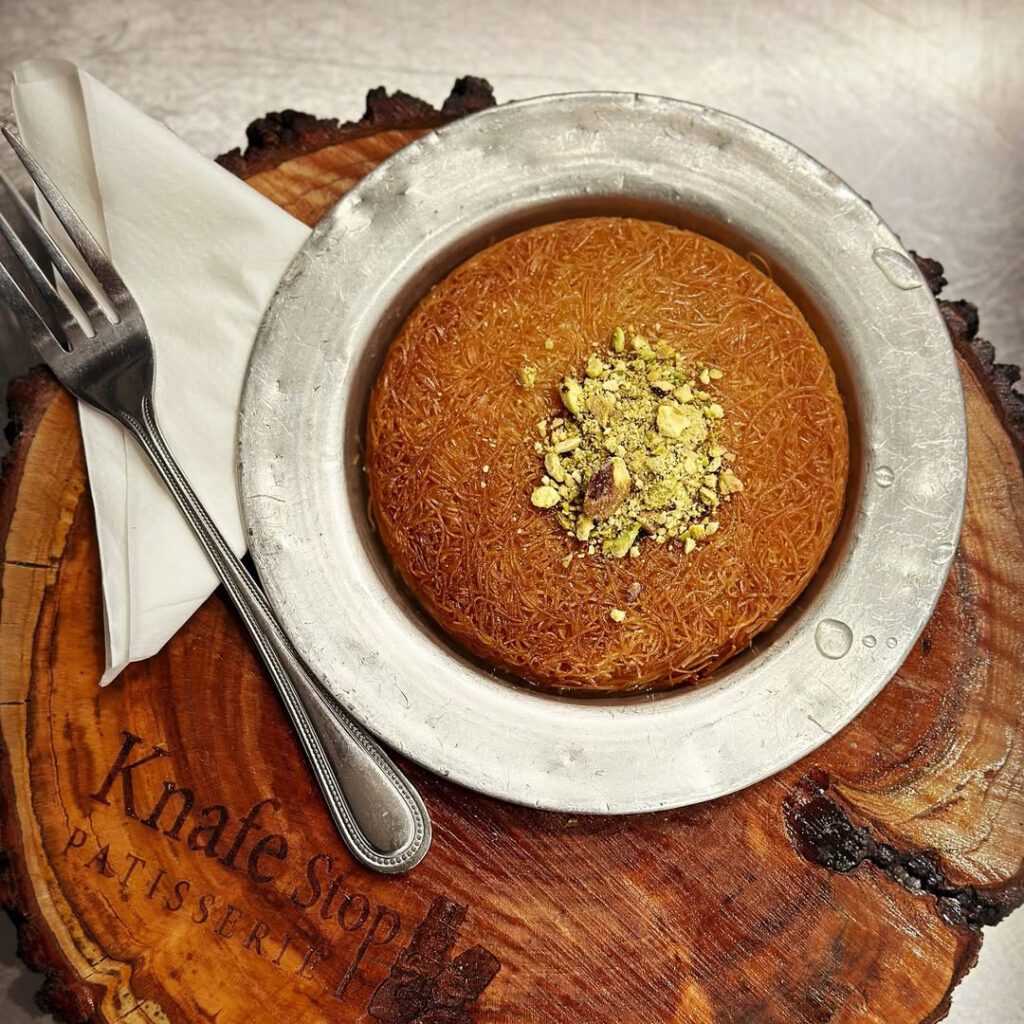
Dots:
{"x": 617, "y": 615}
{"x": 636, "y": 453}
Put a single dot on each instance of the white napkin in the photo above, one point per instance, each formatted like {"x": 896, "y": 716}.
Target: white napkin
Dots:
{"x": 202, "y": 254}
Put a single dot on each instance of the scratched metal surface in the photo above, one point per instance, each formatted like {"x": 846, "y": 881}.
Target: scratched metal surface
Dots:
{"x": 919, "y": 105}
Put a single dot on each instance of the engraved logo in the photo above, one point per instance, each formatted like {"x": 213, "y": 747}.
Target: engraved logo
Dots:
{"x": 425, "y": 986}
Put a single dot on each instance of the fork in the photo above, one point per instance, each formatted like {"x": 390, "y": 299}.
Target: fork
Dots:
{"x": 106, "y": 360}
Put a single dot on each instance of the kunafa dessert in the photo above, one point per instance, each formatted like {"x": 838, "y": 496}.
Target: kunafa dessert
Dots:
{"x": 605, "y": 454}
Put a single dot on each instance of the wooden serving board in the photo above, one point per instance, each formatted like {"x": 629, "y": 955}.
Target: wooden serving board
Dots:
{"x": 167, "y": 857}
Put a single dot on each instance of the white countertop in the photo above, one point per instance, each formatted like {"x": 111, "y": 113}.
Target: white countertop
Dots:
{"x": 918, "y": 105}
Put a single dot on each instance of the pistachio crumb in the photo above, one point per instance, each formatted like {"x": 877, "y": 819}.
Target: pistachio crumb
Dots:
{"x": 670, "y": 421}
{"x": 617, "y": 615}
{"x": 553, "y": 464}
{"x": 527, "y": 376}
{"x": 729, "y": 482}
{"x": 549, "y": 344}
{"x": 545, "y": 496}
{"x": 618, "y": 547}
{"x": 607, "y": 489}
{"x": 572, "y": 395}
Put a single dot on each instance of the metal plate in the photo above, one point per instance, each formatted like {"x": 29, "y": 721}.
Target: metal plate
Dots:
{"x": 424, "y": 211}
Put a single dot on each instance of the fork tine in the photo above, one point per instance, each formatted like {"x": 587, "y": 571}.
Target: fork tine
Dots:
{"x": 81, "y": 237}
{"x": 35, "y": 326}
{"x": 83, "y": 296}
{"x": 44, "y": 285}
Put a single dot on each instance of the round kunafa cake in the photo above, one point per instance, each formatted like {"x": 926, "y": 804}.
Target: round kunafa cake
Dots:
{"x": 605, "y": 454}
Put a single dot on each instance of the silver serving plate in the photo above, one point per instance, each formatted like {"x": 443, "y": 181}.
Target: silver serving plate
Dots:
{"x": 508, "y": 168}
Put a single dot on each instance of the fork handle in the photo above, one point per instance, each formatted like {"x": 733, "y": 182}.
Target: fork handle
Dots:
{"x": 374, "y": 807}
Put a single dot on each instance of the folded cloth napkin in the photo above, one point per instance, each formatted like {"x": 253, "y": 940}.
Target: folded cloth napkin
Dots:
{"x": 202, "y": 254}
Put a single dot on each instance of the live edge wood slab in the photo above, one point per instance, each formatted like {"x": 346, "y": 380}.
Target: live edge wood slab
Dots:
{"x": 167, "y": 857}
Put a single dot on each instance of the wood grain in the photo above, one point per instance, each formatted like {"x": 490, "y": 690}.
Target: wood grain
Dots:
{"x": 849, "y": 888}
